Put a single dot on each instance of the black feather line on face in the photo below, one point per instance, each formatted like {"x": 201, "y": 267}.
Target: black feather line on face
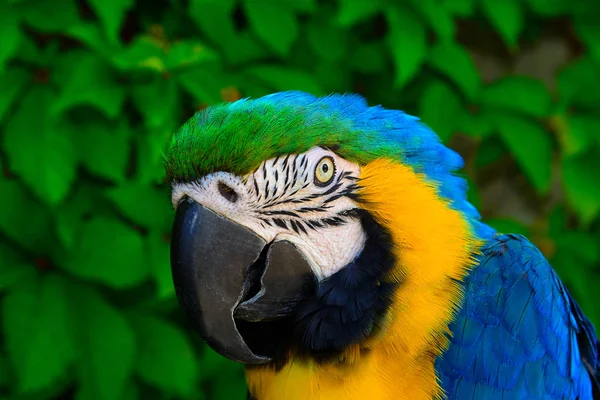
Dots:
{"x": 351, "y": 302}
{"x": 346, "y": 308}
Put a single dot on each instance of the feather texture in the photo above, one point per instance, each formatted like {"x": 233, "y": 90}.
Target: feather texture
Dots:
{"x": 236, "y": 137}
{"x": 470, "y": 322}
{"x": 519, "y": 334}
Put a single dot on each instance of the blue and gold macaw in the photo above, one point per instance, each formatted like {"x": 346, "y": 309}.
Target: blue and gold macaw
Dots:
{"x": 330, "y": 247}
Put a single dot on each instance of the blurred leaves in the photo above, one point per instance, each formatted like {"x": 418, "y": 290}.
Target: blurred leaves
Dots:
{"x": 139, "y": 203}
{"x": 507, "y": 16}
{"x": 38, "y": 331}
{"x": 521, "y": 136}
{"x": 573, "y": 83}
{"x": 280, "y": 79}
{"x": 165, "y": 356}
{"x": 107, "y": 346}
{"x": 106, "y": 94}
{"x": 407, "y": 42}
{"x": 351, "y": 12}
{"x": 456, "y": 63}
{"x": 90, "y": 93}
{"x": 103, "y": 147}
{"x": 12, "y": 83}
{"x": 39, "y": 152}
{"x": 111, "y": 13}
{"x": 109, "y": 252}
{"x": 580, "y": 174}
{"x": 439, "y": 108}
{"x": 517, "y": 93}
{"x": 10, "y": 33}
{"x": 15, "y": 203}
{"x": 273, "y": 22}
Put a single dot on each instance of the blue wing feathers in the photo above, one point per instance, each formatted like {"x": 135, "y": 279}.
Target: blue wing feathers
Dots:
{"x": 519, "y": 334}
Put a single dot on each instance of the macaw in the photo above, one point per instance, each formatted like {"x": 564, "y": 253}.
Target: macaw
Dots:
{"x": 330, "y": 247}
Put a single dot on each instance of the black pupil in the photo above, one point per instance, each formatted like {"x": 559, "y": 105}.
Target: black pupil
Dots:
{"x": 325, "y": 168}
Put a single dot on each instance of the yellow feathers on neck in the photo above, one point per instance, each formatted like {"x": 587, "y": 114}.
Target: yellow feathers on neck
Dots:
{"x": 434, "y": 247}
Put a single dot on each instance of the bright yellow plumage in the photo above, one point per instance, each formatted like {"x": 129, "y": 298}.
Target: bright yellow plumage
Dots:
{"x": 433, "y": 245}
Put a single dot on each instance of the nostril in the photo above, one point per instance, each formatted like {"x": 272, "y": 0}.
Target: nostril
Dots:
{"x": 227, "y": 192}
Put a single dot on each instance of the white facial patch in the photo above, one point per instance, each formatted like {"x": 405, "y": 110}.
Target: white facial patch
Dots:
{"x": 298, "y": 198}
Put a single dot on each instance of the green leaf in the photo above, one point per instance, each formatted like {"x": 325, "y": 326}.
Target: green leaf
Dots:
{"x": 579, "y": 244}
{"x": 111, "y": 253}
{"x": 70, "y": 215}
{"x": 334, "y": 77}
{"x": 92, "y": 35}
{"x": 548, "y": 8}
{"x": 461, "y": 8}
{"x": 204, "y": 84}
{"x": 37, "y": 14}
{"x": 438, "y": 108}
{"x": 165, "y": 357}
{"x": 150, "y": 167}
{"x": 475, "y": 125}
{"x": 156, "y": 113}
{"x": 589, "y": 33}
{"x": 438, "y": 18}
{"x": 531, "y": 146}
{"x": 107, "y": 346}
{"x": 408, "y": 43}
{"x": 580, "y": 182}
{"x": 143, "y": 204}
{"x": 507, "y": 225}
{"x": 326, "y": 40}
{"x": 90, "y": 82}
{"x": 490, "y": 150}
{"x": 274, "y": 22}
{"x": 456, "y": 63}
{"x": 15, "y": 203}
{"x": 507, "y": 16}
{"x": 144, "y": 53}
{"x": 226, "y": 388}
{"x": 579, "y": 133}
{"x": 214, "y": 19}
{"x": 37, "y": 150}
{"x": 12, "y": 83}
{"x": 213, "y": 366}
{"x": 281, "y": 79}
{"x": 303, "y": 6}
{"x": 517, "y": 93}
{"x": 37, "y": 327}
{"x": 368, "y": 58}
{"x": 10, "y": 34}
{"x": 29, "y": 52}
{"x": 574, "y": 83}
{"x": 352, "y": 11}
{"x": 112, "y": 14}
{"x": 13, "y": 268}
{"x": 104, "y": 148}
{"x": 131, "y": 391}
{"x": 5, "y": 378}
{"x": 188, "y": 53}
{"x": 158, "y": 250}
{"x": 10, "y": 276}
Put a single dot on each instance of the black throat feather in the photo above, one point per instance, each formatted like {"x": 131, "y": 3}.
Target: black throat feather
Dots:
{"x": 346, "y": 308}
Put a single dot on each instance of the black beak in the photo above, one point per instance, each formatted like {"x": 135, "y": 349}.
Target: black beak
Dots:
{"x": 223, "y": 272}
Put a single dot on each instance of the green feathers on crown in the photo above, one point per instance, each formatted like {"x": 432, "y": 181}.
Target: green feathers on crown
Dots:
{"x": 237, "y": 137}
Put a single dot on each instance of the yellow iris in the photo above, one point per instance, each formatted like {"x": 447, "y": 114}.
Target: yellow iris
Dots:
{"x": 324, "y": 171}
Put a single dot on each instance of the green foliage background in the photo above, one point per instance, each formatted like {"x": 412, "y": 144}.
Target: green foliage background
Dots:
{"x": 90, "y": 91}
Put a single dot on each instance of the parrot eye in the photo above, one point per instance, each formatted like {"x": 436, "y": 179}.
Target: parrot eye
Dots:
{"x": 325, "y": 171}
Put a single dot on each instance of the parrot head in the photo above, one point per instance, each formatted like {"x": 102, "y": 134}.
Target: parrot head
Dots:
{"x": 277, "y": 246}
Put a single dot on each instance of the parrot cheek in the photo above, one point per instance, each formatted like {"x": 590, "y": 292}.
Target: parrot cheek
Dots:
{"x": 224, "y": 274}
